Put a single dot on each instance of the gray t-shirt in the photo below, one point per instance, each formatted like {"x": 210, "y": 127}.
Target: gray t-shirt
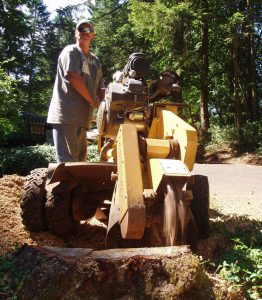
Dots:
{"x": 67, "y": 106}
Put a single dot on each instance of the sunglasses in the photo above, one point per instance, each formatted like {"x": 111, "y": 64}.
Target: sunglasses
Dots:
{"x": 87, "y": 30}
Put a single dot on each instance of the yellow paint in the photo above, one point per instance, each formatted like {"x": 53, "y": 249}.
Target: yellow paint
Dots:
{"x": 184, "y": 133}
{"x": 157, "y": 148}
{"x": 132, "y": 209}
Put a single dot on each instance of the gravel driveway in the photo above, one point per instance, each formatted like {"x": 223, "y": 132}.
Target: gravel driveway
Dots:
{"x": 234, "y": 188}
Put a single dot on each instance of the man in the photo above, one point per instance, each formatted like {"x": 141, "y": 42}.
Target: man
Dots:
{"x": 78, "y": 88}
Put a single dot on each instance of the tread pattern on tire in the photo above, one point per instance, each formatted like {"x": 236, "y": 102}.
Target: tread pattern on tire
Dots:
{"x": 33, "y": 201}
{"x": 59, "y": 216}
{"x": 200, "y": 203}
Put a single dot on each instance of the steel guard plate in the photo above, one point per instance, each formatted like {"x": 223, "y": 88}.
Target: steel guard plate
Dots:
{"x": 167, "y": 167}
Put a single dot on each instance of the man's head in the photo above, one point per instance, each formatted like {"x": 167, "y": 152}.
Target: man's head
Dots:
{"x": 84, "y": 30}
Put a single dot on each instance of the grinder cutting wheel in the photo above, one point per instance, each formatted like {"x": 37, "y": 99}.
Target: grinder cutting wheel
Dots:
{"x": 143, "y": 177}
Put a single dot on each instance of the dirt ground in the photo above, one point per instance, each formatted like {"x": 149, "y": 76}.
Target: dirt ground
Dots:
{"x": 91, "y": 235}
{"x": 238, "y": 180}
{"x": 13, "y": 232}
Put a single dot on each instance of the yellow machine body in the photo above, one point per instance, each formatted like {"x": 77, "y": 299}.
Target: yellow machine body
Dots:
{"x": 142, "y": 182}
{"x": 130, "y": 184}
{"x": 168, "y": 125}
{"x": 134, "y": 178}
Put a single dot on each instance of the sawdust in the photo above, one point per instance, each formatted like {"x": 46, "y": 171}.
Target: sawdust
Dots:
{"x": 89, "y": 234}
{"x": 13, "y": 234}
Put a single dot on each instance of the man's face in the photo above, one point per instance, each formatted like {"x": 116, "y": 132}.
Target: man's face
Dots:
{"x": 85, "y": 32}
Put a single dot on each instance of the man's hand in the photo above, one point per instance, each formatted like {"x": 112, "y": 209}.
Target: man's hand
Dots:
{"x": 95, "y": 104}
{"x": 79, "y": 85}
{"x": 101, "y": 93}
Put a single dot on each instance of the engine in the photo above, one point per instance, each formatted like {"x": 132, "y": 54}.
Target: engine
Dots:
{"x": 128, "y": 96}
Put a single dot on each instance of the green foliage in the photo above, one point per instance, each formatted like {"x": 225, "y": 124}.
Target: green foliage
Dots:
{"x": 13, "y": 32}
{"x": 191, "y": 96}
{"x": 227, "y": 136}
{"x": 221, "y": 138}
{"x": 239, "y": 259}
{"x": 60, "y": 33}
{"x": 10, "y": 119}
{"x": 236, "y": 20}
{"x": 168, "y": 30}
{"x": 252, "y": 134}
{"x": 92, "y": 153}
{"x": 243, "y": 267}
{"x": 11, "y": 280}
{"x": 22, "y": 160}
{"x": 115, "y": 39}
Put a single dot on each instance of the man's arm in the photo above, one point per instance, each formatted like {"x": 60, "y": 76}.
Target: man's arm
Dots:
{"x": 79, "y": 85}
{"x": 101, "y": 93}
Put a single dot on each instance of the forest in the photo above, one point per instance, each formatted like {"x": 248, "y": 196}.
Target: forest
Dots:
{"x": 214, "y": 45}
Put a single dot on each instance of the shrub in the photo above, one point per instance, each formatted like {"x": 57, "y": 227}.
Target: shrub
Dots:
{"x": 222, "y": 138}
{"x": 22, "y": 160}
{"x": 92, "y": 153}
{"x": 243, "y": 267}
{"x": 252, "y": 134}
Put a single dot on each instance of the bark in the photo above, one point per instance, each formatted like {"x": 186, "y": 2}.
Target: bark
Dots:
{"x": 134, "y": 273}
{"x": 252, "y": 66}
{"x": 204, "y": 116}
{"x": 236, "y": 85}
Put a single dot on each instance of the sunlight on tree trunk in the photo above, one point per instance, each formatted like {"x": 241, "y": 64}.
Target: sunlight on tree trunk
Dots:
{"x": 204, "y": 116}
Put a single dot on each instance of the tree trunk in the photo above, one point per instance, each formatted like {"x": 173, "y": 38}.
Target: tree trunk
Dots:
{"x": 29, "y": 93}
{"x": 141, "y": 273}
{"x": 236, "y": 86}
{"x": 204, "y": 116}
{"x": 252, "y": 66}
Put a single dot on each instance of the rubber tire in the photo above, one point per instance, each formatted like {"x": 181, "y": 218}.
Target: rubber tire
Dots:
{"x": 199, "y": 206}
{"x": 58, "y": 211}
{"x": 33, "y": 201}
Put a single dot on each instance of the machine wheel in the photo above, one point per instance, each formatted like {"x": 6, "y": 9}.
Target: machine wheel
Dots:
{"x": 59, "y": 216}
{"x": 200, "y": 203}
{"x": 33, "y": 201}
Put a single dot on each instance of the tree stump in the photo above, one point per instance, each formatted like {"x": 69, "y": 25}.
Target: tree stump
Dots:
{"x": 133, "y": 273}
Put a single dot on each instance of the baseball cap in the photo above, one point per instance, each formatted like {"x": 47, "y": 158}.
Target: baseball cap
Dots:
{"x": 84, "y": 21}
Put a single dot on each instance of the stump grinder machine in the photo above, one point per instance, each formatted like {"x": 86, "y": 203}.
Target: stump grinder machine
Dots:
{"x": 142, "y": 184}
